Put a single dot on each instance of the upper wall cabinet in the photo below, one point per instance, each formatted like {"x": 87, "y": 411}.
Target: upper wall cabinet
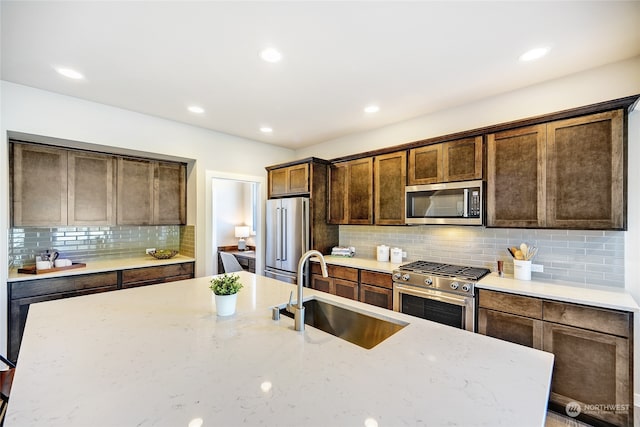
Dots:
{"x": 458, "y": 160}
{"x": 39, "y": 185}
{"x": 563, "y": 174}
{"x": 91, "y": 196}
{"x": 390, "y": 177}
{"x": 351, "y": 192}
{"x": 150, "y": 192}
{"x": 52, "y": 187}
{"x": 289, "y": 181}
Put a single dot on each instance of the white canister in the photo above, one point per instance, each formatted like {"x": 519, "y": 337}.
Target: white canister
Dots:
{"x": 383, "y": 253}
{"x": 43, "y": 265}
{"x": 521, "y": 269}
{"x": 396, "y": 255}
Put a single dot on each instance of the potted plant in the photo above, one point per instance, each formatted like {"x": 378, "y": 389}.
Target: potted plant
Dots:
{"x": 225, "y": 289}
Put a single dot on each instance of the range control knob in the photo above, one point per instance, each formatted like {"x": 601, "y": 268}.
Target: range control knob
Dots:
{"x": 454, "y": 285}
{"x": 428, "y": 281}
{"x": 405, "y": 277}
{"x": 466, "y": 287}
{"x": 396, "y": 276}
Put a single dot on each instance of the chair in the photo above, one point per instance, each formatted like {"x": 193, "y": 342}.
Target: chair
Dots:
{"x": 6, "y": 378}
{"x": 230, "y": 262}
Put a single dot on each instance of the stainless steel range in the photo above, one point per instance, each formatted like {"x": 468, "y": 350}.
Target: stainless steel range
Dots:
{"x": 443, "y": 293}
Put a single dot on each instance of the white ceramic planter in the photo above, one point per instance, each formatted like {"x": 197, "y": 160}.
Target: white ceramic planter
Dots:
{"x": 226, "y": 304}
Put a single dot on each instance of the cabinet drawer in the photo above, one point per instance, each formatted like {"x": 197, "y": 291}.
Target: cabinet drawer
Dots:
{"x": 377, "y": 279}
{"x": 510, "y": 327}
{"x": 346, "y": 273}
{"x": 509, "y": 303}
{"x": 37, "y": 287}
{"x": 345, "y": 288}
{"x": 160, "y": 272}
{"x": 596, "y": 319}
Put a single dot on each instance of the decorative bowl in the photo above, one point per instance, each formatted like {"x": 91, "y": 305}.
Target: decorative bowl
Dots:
{"x": 163, "y": 253}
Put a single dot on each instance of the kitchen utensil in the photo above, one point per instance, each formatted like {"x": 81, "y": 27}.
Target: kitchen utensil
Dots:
{"x": 54, "y": 256}
{"x": 501, "y": 268}
{"x": 525, "y": 250}
{"x": 511, "y": 252}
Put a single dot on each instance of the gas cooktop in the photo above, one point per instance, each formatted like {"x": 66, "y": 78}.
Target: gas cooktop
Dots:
{"x": 445, "y": 270}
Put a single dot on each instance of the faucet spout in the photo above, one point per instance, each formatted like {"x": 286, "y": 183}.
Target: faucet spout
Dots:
{"x": 299, "y": 309}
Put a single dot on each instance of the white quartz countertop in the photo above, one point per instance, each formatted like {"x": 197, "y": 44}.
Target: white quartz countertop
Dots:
{"x": 593, "y": 296}
{"x": 362, "y": 263}
{"x": 101, "y": 266}
{"x": 158, "y": 355}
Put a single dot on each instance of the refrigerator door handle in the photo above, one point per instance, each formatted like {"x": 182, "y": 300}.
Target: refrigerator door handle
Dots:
{"x": 278, "y": 234}
{"x": 285, "y": 226}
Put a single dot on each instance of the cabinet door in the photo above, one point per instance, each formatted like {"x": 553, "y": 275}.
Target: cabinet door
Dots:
{"x": 509, "y": 327}
{"x": 345, "y": 288}
{"x": 289, "y": 180}
{"x": 135, "y": 191}
{"x": 360, "y": 191}
{"x": 462, "y": 160}
{"x": 390, "y": 179}
{"x": 170, "y": 198}
{"x": 278, "y": 182}
{"x": 516, "y": 177}
{"x": 377, "y": 296}
{"x": 425, "y": 165}
{"x": 39, "y": 186}
{"x": 585, "y": 172}
{"x": 324, "y": 284}
{"x": 337, "y": 194}
{"x": 91, "y": 185}
{"x": 590, "y": 368}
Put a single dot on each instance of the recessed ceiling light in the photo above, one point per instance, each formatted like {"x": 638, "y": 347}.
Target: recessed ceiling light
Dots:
{"x": 371, "y": 109}
{"x": 534, "y": 54}
{"x": 196, "y": 109}
{"x": 270, "y": 55}
{"x": 68, "y": 72}
{"x": 266, "y": 129}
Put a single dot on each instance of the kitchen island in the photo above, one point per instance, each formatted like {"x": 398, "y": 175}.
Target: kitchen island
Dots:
{"x": 159, "y": 355}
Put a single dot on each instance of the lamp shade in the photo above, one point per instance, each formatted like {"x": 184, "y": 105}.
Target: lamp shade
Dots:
{"x": 242, "y": 231}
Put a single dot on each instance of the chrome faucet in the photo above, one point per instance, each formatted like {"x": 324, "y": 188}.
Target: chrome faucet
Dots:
{"x": 298, "y": 310}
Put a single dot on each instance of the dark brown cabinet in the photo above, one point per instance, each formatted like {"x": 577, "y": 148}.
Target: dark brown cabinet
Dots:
{"x": 376, "y": 288}
{"x": 592, "y": 347}
{"x": 290, "y": 180}
{"x": 152, "y": 275}
{"x": 458, "y": 160}
{"x": 38, "y": 185}
{"x": 22, "y": 294}
{"x": 151, "y": 192}
{"x": 351, "y": 192}
{"x": 91, "y": 189}
{"x": 390, "y": 179}
{"x": 342, "y": 281}
{"x": 563, "y": 174}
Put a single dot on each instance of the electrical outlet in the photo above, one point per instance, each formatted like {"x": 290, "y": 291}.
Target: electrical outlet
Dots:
{"x": 150, "y": 249}
{"x": 404, "y": 254}
{"x": 538, "y": 268}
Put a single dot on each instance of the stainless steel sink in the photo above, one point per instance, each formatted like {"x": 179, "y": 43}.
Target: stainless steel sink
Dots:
{"x": 353, "y": 326}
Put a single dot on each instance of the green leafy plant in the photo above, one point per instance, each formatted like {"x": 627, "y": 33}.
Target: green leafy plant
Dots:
{"x": 227, "y": 284}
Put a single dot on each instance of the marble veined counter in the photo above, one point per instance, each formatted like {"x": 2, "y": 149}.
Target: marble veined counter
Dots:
{"x": 100, "y": 266}
{"x": 159, "y": 356}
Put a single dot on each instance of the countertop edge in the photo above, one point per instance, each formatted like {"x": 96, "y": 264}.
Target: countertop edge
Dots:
{"x": 101, "y": 267}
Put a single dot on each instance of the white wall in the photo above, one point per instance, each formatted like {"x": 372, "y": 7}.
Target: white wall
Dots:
{"x": 597, "y": 85}
{"x": 33, "y": 111}
{"x": 231, "y": 207}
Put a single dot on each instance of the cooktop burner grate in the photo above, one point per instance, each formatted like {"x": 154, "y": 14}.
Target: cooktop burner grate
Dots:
{"x": 447, "y": 270}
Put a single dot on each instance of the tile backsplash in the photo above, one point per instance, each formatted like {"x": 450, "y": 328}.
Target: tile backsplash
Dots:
{"x": 82, "y": 244}
{"x": 582, "y": 257}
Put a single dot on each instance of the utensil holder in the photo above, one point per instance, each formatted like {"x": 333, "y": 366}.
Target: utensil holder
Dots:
{"x": 521, "y": 269}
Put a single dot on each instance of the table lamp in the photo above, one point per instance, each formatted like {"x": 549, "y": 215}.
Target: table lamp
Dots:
{"x": 242, "y": 232}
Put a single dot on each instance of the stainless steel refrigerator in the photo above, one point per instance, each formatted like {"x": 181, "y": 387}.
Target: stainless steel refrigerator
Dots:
{"x": 287, "y": 237}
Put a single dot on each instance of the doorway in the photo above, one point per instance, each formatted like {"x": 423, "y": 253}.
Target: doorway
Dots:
{"x": 233, "y": 200}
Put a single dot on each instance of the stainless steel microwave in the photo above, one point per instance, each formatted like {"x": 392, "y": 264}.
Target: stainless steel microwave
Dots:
{"x": 460, "y": 203}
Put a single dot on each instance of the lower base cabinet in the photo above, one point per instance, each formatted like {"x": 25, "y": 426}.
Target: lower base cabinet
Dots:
{"x": 22, "y": 294}
{"x": 593, "y": 349}
{"x": 376, "y": 289}
{"x": 342, "y": 281}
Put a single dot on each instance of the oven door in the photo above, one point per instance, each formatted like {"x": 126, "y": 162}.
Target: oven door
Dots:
{"x": 441, "y": 307}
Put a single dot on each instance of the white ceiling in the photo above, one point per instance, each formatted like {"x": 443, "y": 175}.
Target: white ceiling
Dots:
{"x": 410, "y": 58}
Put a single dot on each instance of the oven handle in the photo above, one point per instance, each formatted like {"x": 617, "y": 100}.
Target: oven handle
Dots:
{"x": 427, "y": 293}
